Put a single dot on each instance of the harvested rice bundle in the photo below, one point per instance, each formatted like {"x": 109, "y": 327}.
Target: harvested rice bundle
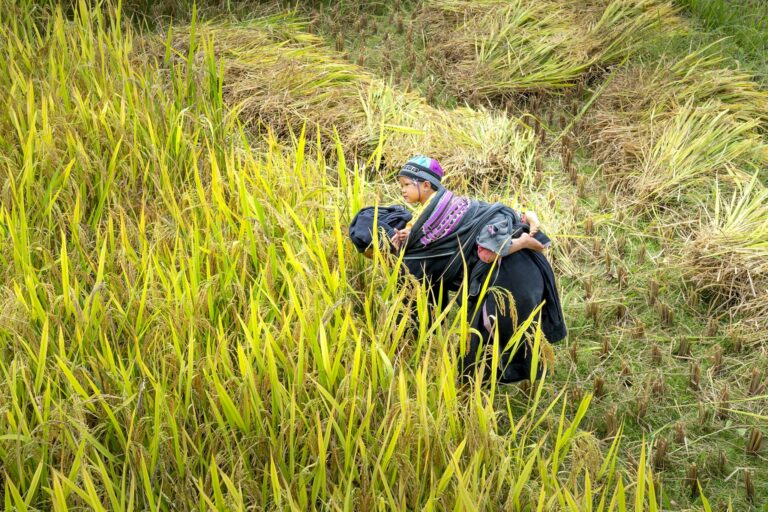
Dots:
{"x": 640, "y": 94}
{"x": 283, "y": 77}
{"x": 503, "y": 47}
{"x": 286, "y": 83}
{"x": 694, "y": 146}
{"x": 705, "y": 75}
{"x": 487, "y": 145}
{"x": 491, "y": 49}
{"x": 727, "y": 256}
{"x": 471, "y": 143}
{"x": 624, "y": 25}
{"x": 700, "y": 120}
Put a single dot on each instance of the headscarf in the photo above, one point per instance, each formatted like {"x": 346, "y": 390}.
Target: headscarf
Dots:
{"x": 423, "y": 168}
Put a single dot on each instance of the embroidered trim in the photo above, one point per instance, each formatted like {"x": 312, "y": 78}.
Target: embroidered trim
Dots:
{"x": 446, "y": 218}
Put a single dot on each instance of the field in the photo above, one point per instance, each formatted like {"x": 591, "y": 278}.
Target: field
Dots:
{"x": 184, "y": 323}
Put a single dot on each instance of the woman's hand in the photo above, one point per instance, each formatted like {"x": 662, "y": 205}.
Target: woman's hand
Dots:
{"x": 400, "y": 236}
{"x": 527, "y": 241}
{"x": 532, "y": 220}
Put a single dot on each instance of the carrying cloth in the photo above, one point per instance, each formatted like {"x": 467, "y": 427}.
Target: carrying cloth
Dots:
{"x": 508, "y": 274}
{"x": 445, "y": 234}
{"x": 387, "y": 218}
{"x": 497, "y": 236}
{"x": 444, "y": 238}
{"x": 517, "y": 274}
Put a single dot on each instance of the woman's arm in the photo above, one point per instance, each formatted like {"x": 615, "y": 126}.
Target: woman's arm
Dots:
{"x": 525, "y": 241}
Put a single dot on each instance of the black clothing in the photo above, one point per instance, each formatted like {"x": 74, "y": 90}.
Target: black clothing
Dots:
{"x": 388, "y": 218}
{"x": 526, "y": 274}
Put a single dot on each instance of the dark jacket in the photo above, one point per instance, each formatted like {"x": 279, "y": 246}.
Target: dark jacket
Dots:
{"x": 387, "y": 218}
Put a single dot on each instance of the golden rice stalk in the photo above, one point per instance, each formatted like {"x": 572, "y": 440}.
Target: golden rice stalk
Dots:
{"x": 639, "y": 101}
{"x": 490, "y": 49}
{"x": 698, "y": 143}
{"x": 728, "y": 253}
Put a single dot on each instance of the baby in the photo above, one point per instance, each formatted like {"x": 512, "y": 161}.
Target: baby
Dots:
{"x": 490, "y": 253}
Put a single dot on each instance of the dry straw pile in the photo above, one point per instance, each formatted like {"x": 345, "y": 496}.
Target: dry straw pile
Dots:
{"x": 280, "y": 79}
{"x": 491, "y": 49}
{"x": 686, "y": 139}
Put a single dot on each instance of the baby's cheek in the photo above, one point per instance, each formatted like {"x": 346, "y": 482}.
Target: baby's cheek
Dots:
{"x": 485, "y": 255}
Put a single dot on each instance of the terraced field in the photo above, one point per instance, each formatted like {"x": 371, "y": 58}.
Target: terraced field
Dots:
{"x": 184, "y": 323}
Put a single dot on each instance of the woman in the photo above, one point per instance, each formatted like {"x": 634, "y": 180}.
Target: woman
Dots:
{"x": 440, "y": 244}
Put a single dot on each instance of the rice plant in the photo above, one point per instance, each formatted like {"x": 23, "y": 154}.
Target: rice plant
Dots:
{"x": 184, "y": 325}
{"x": 696, "y": 145}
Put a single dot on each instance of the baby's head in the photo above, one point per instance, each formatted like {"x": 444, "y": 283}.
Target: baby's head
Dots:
{"x": 419, "y": 178}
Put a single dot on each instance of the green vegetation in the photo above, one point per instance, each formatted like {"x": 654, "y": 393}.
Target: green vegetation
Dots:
{"x": 184, "y": 324}
{"x": 743, "y": 22}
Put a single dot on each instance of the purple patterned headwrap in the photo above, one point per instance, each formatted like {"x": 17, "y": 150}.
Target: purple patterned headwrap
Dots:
{"x": 423, "y": 168}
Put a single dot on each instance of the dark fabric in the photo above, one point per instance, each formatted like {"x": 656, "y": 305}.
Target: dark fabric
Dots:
{"x": 552, "y": 319}
{"x": 446, "y": 256}
{"x": 498, "y": 234}
{"x": 388, "y": 218}
{"x": 516, "y": 274}
{"x": 526, "y": 274}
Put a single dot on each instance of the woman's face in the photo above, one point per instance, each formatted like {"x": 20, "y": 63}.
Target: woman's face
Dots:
{"x": 411, "y": 190}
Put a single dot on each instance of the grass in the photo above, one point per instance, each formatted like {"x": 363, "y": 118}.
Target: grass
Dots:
{"x": 185, "y": 326}
{"x": 744, "y": 23}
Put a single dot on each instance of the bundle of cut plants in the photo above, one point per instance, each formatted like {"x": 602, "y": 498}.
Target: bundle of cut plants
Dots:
{"x": 278, "y": 75}
{"x": 696, "y": 145}
{"x": 727, "y": 256}
{"x": 473, "y": 144}
{"x": 285, "y": 83}
{"x": 695, "y": 101}
{"x": 491, "y": 49}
